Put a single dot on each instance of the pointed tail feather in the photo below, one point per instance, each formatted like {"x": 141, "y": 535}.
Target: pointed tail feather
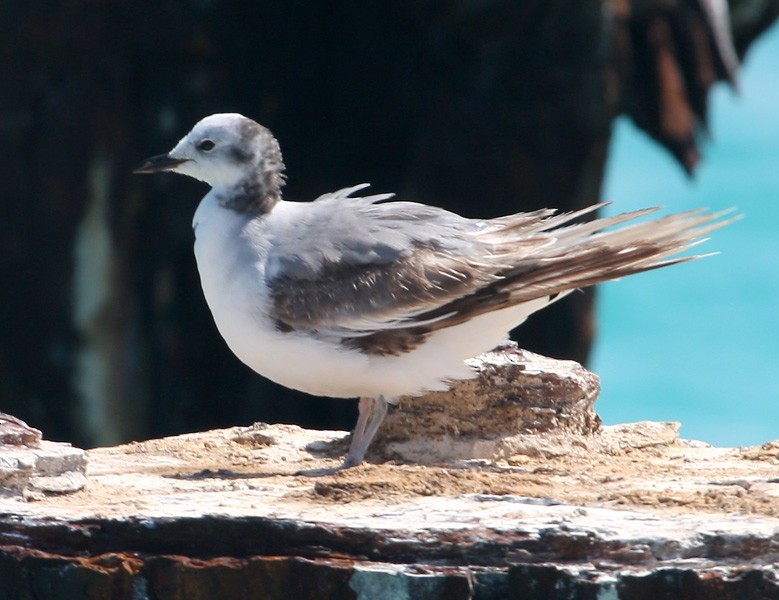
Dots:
{"x": 567, "y": 257}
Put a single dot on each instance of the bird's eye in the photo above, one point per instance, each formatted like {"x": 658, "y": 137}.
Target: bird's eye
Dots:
{"x": 206, "y": 145}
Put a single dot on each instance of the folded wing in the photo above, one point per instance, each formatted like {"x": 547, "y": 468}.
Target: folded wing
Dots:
{"x": 387, "y": 275}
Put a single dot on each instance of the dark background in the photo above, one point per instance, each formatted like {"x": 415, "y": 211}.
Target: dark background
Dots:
{"x": 481, "y": 107}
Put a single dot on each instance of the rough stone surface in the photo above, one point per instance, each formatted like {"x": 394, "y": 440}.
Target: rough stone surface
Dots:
{"x": 49, "y": 468}
{"x": 15, "y": 432}
{"x": 628, "y": 511}
{"x": 516, "y": 393}
{"x": 624, "y": 508}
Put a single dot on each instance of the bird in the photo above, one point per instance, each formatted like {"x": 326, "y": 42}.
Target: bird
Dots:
{"x": 368, "y": 297}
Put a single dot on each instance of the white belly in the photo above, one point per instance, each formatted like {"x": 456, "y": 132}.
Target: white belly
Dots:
{"x": 232, "y": 273}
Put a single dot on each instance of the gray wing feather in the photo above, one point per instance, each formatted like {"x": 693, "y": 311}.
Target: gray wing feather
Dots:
{"x": 339, "y": 229}
{"x": 352, "y": 265}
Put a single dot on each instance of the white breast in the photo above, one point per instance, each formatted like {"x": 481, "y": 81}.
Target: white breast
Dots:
{"x": 231, "y": 251}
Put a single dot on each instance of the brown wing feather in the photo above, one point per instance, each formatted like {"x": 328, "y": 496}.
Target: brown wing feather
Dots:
{"x": 345, "y": 295}
{"x": 391, "y": 308}
{"x": 572, "y": 262}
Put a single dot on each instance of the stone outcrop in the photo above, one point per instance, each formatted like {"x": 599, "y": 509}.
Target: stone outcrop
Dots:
{"x": 561, "y": 508}
{"x": 30, "y": 466}
{"x": 515, "y": 395}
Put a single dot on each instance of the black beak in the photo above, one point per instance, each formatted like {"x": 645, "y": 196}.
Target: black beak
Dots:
{"x": 159, "y": 163}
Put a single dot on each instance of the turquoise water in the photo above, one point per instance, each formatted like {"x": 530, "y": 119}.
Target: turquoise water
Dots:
{"x": 699, "y": 343}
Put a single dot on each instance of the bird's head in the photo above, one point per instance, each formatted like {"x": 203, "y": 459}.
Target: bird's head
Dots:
{"x": 223, "y": 150}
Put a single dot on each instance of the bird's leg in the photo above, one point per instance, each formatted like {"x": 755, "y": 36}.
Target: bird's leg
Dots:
{"x": 365, "y": 408}
{"x": 372, "y": 413}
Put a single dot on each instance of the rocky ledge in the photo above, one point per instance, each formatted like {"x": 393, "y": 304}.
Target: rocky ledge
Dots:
{"x": 496, "y": 490}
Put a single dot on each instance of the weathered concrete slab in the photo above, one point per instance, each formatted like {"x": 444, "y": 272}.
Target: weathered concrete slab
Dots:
{"x": 50, "y": 468}
{"x": 616, "y": 496}
{"x": 30, "y": 466}
{"x": 516, "y": 393}
{"x": 572, "y": 510}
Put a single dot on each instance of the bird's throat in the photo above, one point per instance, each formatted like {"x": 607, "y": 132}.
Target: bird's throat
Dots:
{"x": 256, "y": 195}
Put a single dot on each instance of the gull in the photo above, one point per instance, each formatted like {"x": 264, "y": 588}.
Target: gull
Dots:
{"x": 362, "y": 297}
